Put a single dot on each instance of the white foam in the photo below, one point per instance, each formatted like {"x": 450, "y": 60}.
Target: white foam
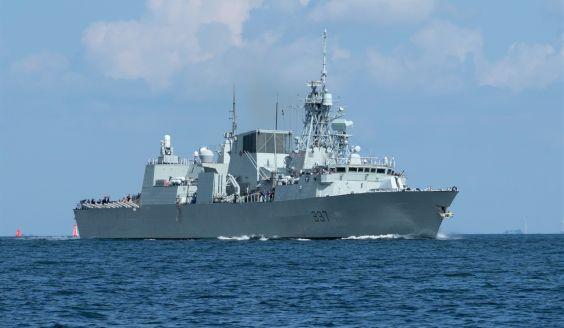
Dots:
{"x": 444, "y": 236}
{"x": 365, "y": 237}
{"x": 239, "y": 238}
{"x": 302, "y": 239}
{"x": 247, "y": 237}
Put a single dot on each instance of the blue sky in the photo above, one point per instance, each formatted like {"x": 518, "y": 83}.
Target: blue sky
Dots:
{"x": 466, "y": 93}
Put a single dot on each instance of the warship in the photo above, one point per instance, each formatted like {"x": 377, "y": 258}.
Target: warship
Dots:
{"x": 270, "y": 183}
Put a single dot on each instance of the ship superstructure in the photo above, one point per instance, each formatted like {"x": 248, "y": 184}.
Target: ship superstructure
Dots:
{"x": 270, "y": 183}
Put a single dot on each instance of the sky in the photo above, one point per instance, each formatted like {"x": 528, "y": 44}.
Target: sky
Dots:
{"x": 465, "y": 93}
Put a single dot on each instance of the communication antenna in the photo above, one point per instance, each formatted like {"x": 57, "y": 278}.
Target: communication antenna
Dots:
{"x": 275, "y": 135}
{"x": 233, "y": 115}
{"x": 276, "y": 120}
{"x": 324, "y": 70}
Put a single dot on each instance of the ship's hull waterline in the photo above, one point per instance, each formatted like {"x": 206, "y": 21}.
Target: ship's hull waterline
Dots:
{"x": 378, "y": 213}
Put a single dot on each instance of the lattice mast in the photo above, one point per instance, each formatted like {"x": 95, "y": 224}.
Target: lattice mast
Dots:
{"x": 317, "y": 122}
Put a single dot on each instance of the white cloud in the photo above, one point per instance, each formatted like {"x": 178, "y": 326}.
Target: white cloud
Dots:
{"x": 339, "y": 53}
{"x": 169, "y": 37}
{"x": 40, "y": 64}
{"x": 442, "y": 57}
{"x": 198, "y": 42}
{"x": 442, "y": 40}
{"x": 374, "y": 11}
{"x": 524, "y": 66}
{"x": 43, "y": 69}
{"x": 387, "y": 69}
{"x": 434, "y": 59}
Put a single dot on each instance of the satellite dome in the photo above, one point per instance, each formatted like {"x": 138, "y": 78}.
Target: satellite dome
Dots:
{"x": 206, "y": 155}
{"x": 355, "y": 159}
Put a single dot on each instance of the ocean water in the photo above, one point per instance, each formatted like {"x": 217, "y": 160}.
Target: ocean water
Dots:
{"x": 363, "y": 281}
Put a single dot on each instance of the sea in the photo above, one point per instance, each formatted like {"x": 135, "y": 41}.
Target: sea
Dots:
{"x": 248, "y": 281}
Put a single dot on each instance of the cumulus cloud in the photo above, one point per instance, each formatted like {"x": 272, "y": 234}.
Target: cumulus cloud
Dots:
{"x": 443, "y": 56}
{"x": 199, "y": 42}
{"x": 434, "y": 58}
{"x": 441, "y": 40}
{"x": 211, "y": 53}
{"x": 374, "y": 11}
{"x": 169, "y": 37}
{"x": 524, "y": 66}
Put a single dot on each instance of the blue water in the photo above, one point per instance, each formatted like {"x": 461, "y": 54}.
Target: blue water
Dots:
{"x": 471, "y": 280}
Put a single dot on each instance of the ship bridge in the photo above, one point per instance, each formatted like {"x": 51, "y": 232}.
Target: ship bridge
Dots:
{"x": 258, "y": 154}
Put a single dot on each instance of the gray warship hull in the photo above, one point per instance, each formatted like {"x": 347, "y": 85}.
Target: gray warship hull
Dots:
{"x": 378, "y": 213}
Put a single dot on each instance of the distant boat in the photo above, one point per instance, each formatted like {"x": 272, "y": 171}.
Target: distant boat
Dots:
{"x": 513, "y": 232}
{"x": 19, "y": 233}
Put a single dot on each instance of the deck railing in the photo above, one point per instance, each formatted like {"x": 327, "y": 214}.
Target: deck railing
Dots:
{"x": 181, "y": 161}
{"x": 116, "y": 204}
{"x": 390, "y": 163}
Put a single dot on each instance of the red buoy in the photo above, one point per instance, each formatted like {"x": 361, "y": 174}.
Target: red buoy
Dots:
{"x": 75, "y": 231}
{"x": 18, "y": 233}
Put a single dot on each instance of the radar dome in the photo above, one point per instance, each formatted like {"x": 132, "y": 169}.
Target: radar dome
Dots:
{"x": 355, "y": 159}
{"x": 206, "y": 155}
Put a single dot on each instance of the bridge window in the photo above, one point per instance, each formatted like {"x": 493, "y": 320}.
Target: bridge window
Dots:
{"x": 341, "y": 169}
{"x": 381, "y": 171}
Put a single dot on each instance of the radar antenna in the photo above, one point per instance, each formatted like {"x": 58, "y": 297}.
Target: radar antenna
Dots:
{"x": 276, "y": 118}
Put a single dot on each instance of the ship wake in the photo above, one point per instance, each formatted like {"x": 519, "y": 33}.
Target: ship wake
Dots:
{"x": 439, "y": 236}
{"x": 244, "y": 238}
{"x": 374, "y": 237}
